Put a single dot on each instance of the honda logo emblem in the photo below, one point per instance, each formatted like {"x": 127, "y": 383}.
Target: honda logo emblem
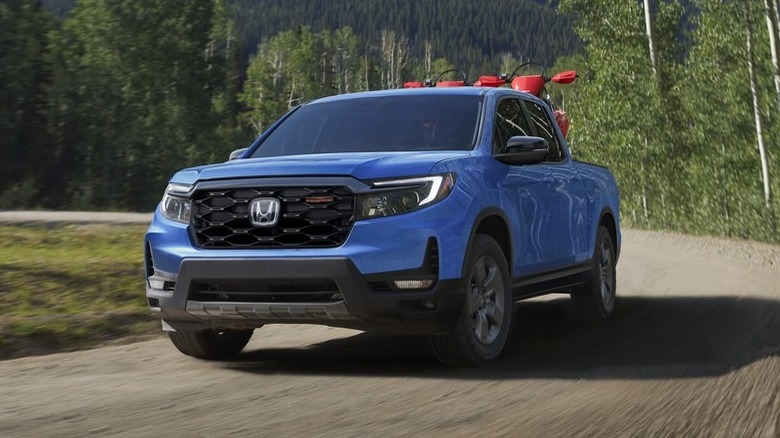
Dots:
{"x": 264, "y": 212}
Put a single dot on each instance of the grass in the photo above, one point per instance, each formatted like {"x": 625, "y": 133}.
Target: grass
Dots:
{"x": 71, "y": 287}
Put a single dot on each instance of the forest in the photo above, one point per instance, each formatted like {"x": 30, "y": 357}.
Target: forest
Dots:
{"x": 102, "y": 100}
{"x": 468, "y": 33}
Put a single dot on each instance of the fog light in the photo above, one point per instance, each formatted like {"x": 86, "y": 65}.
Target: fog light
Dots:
{"x": 156, "y": 283}
{"x": 159, "y": 283}
{"x": 413, "y": 284}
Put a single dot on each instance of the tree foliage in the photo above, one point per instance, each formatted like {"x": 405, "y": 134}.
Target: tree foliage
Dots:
{"x": 472, "y": 35}
{"x": 299, "y": 65}
{"x": 24, "y": 71}
{"x": 102, "y": 102}
{"x": 682, "y": 141}
{"x": 113, "y": 99}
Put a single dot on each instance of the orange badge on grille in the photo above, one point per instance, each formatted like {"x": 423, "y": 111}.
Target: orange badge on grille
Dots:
{"x": 319, "y": 199}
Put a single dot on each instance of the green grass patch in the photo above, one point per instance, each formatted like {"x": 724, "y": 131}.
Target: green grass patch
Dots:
{"x": 71, "y": 287}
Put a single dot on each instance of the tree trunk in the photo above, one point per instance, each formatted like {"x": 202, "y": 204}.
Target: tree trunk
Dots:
{"x": 649, "y": 30}
{"x": 428, "y": 58}
{"x": 391, "y": 50}
{"x": 292, "y": 91}
{"x": 395, "y": 50}
{"x": 757, "y": 111}
{"x": 401, "y": 57}
{"x": 365, "y": 65}
{"x": 770, "y": 26}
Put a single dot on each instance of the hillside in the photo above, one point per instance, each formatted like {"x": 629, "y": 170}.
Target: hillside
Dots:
{"x": 469, "y": 34}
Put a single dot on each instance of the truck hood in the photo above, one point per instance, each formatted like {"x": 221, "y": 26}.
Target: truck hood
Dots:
{"x": 362, "y": 165}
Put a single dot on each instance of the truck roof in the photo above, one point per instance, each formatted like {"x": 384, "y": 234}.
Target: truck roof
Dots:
{"x": 463, "y": 91}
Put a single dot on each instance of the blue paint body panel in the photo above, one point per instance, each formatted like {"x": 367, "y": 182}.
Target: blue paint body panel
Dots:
{"x": 552, "y": 210}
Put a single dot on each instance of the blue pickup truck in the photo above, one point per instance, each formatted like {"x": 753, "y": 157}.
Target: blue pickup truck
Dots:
{"x": 423, "y": 211}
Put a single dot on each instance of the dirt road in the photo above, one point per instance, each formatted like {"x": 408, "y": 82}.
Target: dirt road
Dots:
{"x": 694, "y": 350}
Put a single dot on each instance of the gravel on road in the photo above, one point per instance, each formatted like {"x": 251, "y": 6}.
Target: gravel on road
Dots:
{"x": 693, "y": 350}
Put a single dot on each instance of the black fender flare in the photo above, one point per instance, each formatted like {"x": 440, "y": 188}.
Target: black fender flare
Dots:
{"x": 604, "y": 212}
{"x": 484, "y": 214}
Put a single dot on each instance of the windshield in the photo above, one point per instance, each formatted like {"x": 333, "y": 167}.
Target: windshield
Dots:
{"x": 377, "y": 124}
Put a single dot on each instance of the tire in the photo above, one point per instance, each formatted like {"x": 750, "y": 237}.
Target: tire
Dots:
{"x": 481, "y": 331}
{"x": 211, "y": 344}
{"x": 596, "y": 298}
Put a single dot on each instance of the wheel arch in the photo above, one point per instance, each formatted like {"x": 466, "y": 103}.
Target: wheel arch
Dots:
{"x": 493, "y": 222}
{"x": 607, "y": 219}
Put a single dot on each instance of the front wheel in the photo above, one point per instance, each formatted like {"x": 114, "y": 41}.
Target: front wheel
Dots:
{"x": 596, "y": 298}
{"x": 483, "y": 327}
{"x": 211, "y": 344}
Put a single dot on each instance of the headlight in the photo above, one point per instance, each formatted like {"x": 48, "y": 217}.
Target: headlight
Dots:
{"x": 404, "y": 195}
{"x": 176, "y": 204}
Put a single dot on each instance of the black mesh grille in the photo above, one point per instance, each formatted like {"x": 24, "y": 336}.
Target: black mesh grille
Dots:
{"x": 310, "y": 217}
{"x": 266, "y": 292}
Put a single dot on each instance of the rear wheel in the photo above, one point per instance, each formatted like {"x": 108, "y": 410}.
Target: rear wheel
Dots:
{"x": 211, "y": 344}
{"x": 482, "y": 329}
{"x": 596, "y": 298}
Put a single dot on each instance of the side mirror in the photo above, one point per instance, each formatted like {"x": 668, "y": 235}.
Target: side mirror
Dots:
{"x": 524, "y": 150}
{"x": 237, "y": 154}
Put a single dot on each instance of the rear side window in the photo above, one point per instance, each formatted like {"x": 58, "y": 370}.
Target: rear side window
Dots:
{"x": 510, "y": 121}
{"x": 545, "y": 129}
{"x": 377, "y": 124}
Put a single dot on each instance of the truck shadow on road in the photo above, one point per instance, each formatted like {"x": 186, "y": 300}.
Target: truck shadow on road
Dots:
{"x": 649, "y": 338}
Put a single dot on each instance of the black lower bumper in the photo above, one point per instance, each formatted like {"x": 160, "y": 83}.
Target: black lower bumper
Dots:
{"x": 246, "y": 293}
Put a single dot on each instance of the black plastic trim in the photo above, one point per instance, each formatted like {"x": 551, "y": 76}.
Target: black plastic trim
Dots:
{"x": 428, "y": 311}
{"x": 559, "y": 280}
{"x": 608, "y": 211}
{"x": 428, "y": 270}
{"x": 490, "y": 211}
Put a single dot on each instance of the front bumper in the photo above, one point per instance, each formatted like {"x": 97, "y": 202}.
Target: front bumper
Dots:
{"x": 235, "y": 293}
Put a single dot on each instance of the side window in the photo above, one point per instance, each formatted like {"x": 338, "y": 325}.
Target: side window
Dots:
{"x": 545, "y": 129}
{"x": 510, "y": 121}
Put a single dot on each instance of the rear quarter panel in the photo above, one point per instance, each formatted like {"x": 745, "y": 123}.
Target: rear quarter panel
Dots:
{"x": 604, "y": 198}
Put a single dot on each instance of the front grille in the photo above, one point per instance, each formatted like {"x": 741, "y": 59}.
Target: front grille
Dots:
{"x": 310, "y": 217}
